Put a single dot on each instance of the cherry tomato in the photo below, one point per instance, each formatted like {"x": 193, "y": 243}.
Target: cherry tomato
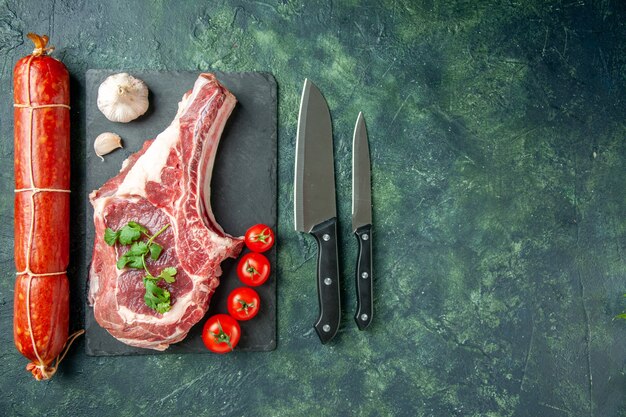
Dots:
{"x": 221, "y": 333}
{"x": 253, "y": 269}
{"x": 243, "y": 303}
{"x": 259, "y": 238}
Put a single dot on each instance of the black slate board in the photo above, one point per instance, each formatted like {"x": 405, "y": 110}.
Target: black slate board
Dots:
{"x": 244, "y": 171}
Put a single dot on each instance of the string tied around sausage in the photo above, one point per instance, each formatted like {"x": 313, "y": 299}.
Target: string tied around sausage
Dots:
{"x": 44, "y": 372}
{"x": 41, "y": 106}
{"x": 35, "y": 190}
{"x": 41, "y": 44}
{"x": 40, "y": 368}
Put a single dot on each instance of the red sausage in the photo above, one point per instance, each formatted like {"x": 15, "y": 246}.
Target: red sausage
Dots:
{"x": 42, "y": 210}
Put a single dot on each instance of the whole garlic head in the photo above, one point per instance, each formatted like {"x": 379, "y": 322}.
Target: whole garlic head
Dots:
{"x": 122, "y": 97}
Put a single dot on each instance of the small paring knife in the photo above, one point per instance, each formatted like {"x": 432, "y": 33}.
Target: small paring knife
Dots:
{"x": 315, "y": 209}
{"x": 362, "y": 223}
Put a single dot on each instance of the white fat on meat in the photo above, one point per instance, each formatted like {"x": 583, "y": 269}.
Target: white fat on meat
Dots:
{"x": 150, "y": 165}
{"x": 122, "y": 322}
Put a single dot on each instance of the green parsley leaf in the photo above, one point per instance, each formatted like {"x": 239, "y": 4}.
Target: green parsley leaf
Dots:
{"x": 152, "y": 277}
{"x": 128, "y": 234}
{"x": 155, "y": 250}
{"x": 131, "y": 261}
{"x": 167, "y": 274}
{"x": 135, "y": 262}
{"x": 134, "y": 257}
{"x": 137, "y": 226}
{"x": 156, "y": 297}
{"x": 110, "y": 236}
{"x": 163, "y": 307}
{"x": 121, "y": 263}
{"x": 137, "y": 249}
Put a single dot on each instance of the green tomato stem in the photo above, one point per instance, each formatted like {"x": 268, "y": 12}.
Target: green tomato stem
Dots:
{"x": 245, "y": 306}
{"x": 221, "y": 336}
{"x": 251, "y": 270}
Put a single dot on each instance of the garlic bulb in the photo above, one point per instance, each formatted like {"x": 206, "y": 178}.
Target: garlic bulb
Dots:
{"x": 106, "y": 143}
{"x": 122, "y": 97}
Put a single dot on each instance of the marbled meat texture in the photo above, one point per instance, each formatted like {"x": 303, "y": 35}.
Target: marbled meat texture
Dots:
{"x": 166, "y": 182}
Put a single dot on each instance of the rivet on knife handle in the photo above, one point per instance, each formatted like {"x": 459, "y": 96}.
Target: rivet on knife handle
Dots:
{"x": 364, "y": 277}
{"x": 327, "y": 280}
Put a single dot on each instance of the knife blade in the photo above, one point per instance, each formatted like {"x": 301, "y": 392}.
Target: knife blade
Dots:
{"x": 362, "y": 223}
{"x": 315, "y": 209}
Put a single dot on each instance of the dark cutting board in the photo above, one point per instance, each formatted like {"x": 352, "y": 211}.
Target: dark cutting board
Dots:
{"x": 244, "y": 172}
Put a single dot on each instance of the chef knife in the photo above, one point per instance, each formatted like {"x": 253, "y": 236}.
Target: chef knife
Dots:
{"x": 362, "y": 223}
{"x": 315, "y": 208}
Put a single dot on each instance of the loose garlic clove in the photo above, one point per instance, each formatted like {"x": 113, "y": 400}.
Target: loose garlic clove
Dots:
{"x": 122, "y": 97}
{"x": 106, "y": 143}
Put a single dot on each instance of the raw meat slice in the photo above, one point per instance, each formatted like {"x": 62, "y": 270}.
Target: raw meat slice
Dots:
{"x": 165, "y": 182}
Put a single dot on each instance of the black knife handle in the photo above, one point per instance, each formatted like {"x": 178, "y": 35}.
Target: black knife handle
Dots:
{"x": 364, "y": 278}
{"x": 327, "y": 280}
